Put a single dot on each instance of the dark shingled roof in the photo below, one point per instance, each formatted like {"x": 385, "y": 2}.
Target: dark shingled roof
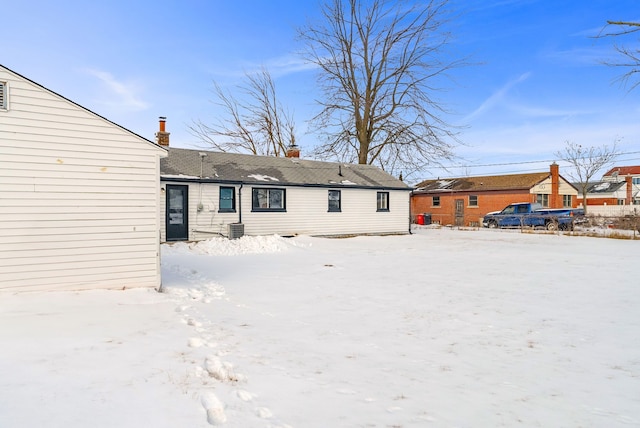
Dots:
{"x": 474, "y": 184}
{"x": 601, "y": 186}
{"x": 189, "y": 165}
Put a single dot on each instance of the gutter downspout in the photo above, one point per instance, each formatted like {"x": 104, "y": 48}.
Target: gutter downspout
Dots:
{"x": 410, "y": 197}
{"x": 240, "y": 203}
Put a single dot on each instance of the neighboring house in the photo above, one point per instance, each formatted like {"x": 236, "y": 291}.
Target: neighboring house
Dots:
{"x": 78, "y": 195}
{"x": 464, "y": 201}
{"x": 603, "y": 193}
{"x": 208, "y": 194}
{"x": 619, "y": 186}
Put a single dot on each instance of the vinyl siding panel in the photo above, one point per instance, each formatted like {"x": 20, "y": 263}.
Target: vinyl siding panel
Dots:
{"x": 306, "y": 213}
{"x": 78, "y": 197}
{"x": 544, "y": 187}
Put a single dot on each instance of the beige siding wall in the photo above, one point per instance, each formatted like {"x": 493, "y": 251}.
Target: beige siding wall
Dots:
{"x": 544, "y": 187}
{"x": 78, "y": 197}
{"x": 306, "y": 213}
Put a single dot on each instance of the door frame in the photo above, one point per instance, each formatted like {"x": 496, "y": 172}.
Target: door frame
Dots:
{"x": 459, "y": 212}
{"x": 176, "y": 233}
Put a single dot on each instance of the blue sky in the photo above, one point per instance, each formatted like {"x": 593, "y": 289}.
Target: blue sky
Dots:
{"x": 536, "y": 81}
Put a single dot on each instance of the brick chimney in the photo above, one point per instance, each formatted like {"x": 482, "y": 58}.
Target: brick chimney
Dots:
{"x": 162, "y": 137}
{"x": 293, "y": 151}
{"x": 555, "y": 201}
{"x": 629, "y": 181}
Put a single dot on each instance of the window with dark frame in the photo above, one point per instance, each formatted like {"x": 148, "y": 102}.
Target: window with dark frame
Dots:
{"x": 334, "y": 201}
{"x": 473, "y": 200}
{"x": 227, "y": 202}
{"x": 266, "y": 199}
{"x": 436, "y": 201}
{"x": 383, "y": 201}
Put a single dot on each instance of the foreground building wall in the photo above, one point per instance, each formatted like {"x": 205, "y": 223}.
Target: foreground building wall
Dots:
{"x": 79, "y": 196}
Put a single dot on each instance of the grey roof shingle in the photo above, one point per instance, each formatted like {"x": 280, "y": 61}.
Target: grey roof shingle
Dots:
{"x": 602, "y": 187}
{"x": 187, "y": 164}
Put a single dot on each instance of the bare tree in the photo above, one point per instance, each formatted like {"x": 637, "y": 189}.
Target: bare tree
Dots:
{"x": 586, "y": 162}
{"x": 258, "y": 125}
{"x": 630, "y": 57}
{"x": 379, "y": 66}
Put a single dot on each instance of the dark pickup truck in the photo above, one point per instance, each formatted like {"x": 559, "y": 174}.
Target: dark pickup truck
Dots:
{"x": 526, "y": 214}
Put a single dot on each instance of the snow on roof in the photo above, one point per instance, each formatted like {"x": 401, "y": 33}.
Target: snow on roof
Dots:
{"x": 262, "y": 177}
{"x": 445, "y": 183}
{"x": 602, "y": 186}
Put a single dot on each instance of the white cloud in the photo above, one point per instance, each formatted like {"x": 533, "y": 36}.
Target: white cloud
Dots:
{"x": 277, "y": 67}
{"x": 496, "y": 97}
{"x": 124, "y": 94}
{"x": 288, "y": 64}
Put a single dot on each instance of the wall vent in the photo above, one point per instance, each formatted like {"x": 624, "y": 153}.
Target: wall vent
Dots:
{"x": 3, "y": 95}
{"x": 235, "y": 230}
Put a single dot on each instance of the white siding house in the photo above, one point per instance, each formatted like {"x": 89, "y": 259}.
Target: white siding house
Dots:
{"x": 78, "y": 195}
{"x": 206, "y": 192}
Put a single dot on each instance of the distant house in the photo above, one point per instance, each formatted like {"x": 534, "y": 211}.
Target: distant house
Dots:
{"x": 464, "y": 201}
{"x": 79, "y": 195}
{"x": 208, "y": 194}
{"x": 619, "y": 186}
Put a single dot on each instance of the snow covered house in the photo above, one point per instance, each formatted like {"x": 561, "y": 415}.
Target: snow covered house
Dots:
{"x": 208, "y": 194}
{"x": 464, "y": 201}
{"x": 79, "y": 195}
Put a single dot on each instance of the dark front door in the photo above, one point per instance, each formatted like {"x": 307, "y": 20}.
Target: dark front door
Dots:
{"x": 177, "y": 212}
{"x": 459, "y": 212}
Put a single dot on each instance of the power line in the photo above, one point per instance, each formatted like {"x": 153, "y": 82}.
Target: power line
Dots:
{"x": 519, "y": 163}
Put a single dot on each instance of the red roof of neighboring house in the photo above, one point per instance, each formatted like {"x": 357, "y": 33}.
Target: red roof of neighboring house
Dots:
{"x": 623, "y": 170}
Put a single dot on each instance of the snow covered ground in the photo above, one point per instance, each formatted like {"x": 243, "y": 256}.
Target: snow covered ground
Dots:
{"x": 442, "y": 328}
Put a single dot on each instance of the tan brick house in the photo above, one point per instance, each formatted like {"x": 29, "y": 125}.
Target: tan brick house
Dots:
{"x": 464, "y": 201}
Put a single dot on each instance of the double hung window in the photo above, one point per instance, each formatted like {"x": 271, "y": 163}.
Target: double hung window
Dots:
{"x": 383, "y": 201}
{"x": 227, "y": 202}
{"x": 335, "y": 201}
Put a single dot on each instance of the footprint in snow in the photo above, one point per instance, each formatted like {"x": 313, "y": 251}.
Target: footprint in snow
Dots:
{"x": 244, "y": 395}
{"x": 214, "y": 408}
{"x": 220, "y": 370}
{"x": 195, "y": 342}
{"x": 194, "y": 323}
{"x": 264, "y": 413}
